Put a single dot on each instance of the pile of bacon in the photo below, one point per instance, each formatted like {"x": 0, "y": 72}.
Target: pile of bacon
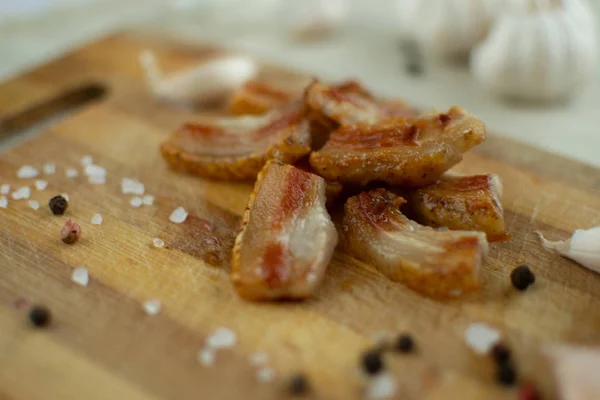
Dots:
{"x": 311, "y": 150}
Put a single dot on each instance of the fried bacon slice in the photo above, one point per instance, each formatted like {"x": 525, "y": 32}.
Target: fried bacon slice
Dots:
{"x": 255, "y": 98}
{"x": 462, "y": 203}
{"x": 436, "y": 263}
{"x": 238, "y": 148}
{"x": 350, "y": 103}
{"x": 287, "y": 237}
{"x": 405, "y": 151}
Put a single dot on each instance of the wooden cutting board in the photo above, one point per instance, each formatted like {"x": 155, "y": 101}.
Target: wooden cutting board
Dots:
{"x": 102, "y": 345}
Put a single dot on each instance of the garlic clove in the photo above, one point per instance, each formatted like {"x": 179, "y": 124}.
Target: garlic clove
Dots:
{"x": 207, "y": 82}
{"x": 576, "y": 373}
{"x": 583, "y": 247}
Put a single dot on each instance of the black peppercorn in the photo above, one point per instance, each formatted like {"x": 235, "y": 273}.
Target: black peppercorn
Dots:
{"x": 500, "y": 353}
{"x": 372, "y": 362}
{"x": 405, "y": 343}
{"x": 506, "y": 373}
{"x": 40, "y": 316}
{"x": 522, "y": 277}
{"x": 58, "y": 205}
{"x": 414, "y": 68}
{"x": 298, "y": 384}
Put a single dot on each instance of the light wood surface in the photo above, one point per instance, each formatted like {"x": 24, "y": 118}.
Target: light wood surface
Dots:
{"x": 102, "y": 345}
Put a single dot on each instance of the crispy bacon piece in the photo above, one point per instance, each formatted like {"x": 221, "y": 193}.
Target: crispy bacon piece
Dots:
{"x": 333, "y": 189}
{"x": 440, "y": 264}
{"x": 412, "y": 152}
{"x": 256, "y": 98}
{"x": 287, "y": 237}
{"x": 238, "y": 148}
{"x": 350, "y": 103}
{"x": 462, "y": 203}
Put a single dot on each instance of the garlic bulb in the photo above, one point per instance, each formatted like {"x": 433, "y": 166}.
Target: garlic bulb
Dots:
{"x": 447, "y": 27}
{"x": 207, "y": 82}
{"x": 583, "y": 247}
{"x": 540, "y": 50}
{"x": 576, "y": 370}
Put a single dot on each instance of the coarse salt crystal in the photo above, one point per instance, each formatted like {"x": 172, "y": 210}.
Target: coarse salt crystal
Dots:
{"x": 222, "y": 338}
{"x": 382, "y": 386}
{"x": 178, "y": 215}
{"x": 21, "y": 193}
{"x": 66, "y": 196}
{"x": 132, "y": 186}
{"x": 34, "y": 204}
{"x": 152, "y": 307}
{"x": 148, "y": 200}
{"x": 265, "y": 375}
{"x": 158, "y": 242}
{"x": 97, "y": 180}
{"x": 49, "y": 168}
{"x": 86, "y": 160}
{"x": 206, "y": 356}
{"x": 3, "y": 202}
{"x": 71, "y": 173}
{"x": 41, "y": 184}
{"x": 97, "y": 219}
{"x": 27, "y": 172}
{"x": 481, "y": 337}
{"x": 81, "y": 276}
{"x": 136, "y": 201}
{"x": 258, "y": 358}
{"x": 4, "y": 189}
{"x": 95, "y": 170}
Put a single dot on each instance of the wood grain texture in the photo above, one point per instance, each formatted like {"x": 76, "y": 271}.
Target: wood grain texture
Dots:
{"x": 103, "y": 346}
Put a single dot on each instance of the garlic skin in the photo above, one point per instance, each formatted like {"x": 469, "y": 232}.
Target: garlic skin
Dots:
{"x": 207, "y": 82}
{"x": 538, "y": 50}
{"x": 444, "y": 28}
{"x": 583, "y": 247}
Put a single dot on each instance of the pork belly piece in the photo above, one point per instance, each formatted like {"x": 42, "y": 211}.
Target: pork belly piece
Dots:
{"x": 350, "y": 103}
{"x": 436, "y": 263}
{"x": 462, "y": 203}
{"x": 287, "y": 237}
{"x": 256, "y": 98}
{"x": 333, "y": 189}
{"x": 411, "y": 152}
{"x": 238, "y": 148}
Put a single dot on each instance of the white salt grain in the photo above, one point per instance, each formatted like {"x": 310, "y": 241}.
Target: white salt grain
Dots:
{"x": 206, "y": 357}
{"x": 136, "y": 201}
{"x": 265, "y": 375}
{"x": 132, "y": 186}
{"x": 95, "y": 170}
{"x": 158, "y": 242}
{"x": 178, "y": 215}
{"x": 382, "y": 386}
{"x": 152, "y": 307}
{"x": 3, "y": 202}
{"x": 71, "y": 173}
{"x": 27, "y": 172}
{"x": 81, "y": 276}
{"x": 222, "y": 338}
{"x": 148, "y": 200}
{"x": 86, "y": 160}
{"x": 34, "y": 204}
{"x": 21, "y": 193}
{"x": 481, "y": 337}
{"x": 258, "y": 358}
{"x": 49, "y": 168}
{"x": 97, "y": 180}
{"x": 66, "y": 196}
{"x": 4, "y": 189}
{"x": 41, "y": 184}
{"x": 97, "y": 219}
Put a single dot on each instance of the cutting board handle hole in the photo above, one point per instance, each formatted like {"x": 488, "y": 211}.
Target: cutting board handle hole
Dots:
{"x": 34, "y": 119}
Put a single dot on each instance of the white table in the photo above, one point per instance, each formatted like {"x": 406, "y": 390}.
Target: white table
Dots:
{"x": 571, "y": 129}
